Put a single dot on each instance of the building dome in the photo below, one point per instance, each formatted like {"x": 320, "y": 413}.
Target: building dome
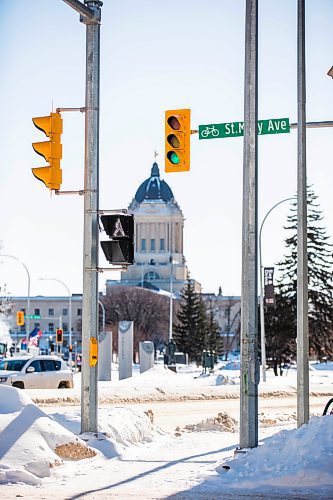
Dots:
{"x": 153, "y": 188}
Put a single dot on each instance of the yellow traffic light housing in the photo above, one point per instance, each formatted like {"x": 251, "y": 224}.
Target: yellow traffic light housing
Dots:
{"x": 51, "y": 150}
{"x": 177, "y": 140}
{"x": 20, "y": 318}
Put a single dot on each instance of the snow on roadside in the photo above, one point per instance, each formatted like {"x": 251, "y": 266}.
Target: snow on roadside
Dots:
{"x": 32, "y": 443}
{"x": 299, "y": 459}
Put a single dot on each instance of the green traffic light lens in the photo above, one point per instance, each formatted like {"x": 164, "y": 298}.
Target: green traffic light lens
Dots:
{"x": 174, "y": 123}
{"x": 173, "y": 141}
{"x": 173, "y": 158}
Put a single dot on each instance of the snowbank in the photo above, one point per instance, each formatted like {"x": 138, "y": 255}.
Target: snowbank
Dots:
{"x": 293, "y": 459}
{"x": 32, "y": 443}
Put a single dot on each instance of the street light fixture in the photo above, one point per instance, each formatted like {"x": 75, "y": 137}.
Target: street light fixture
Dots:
{"x": 28, "y": 297}
{"x": 262, "y": 312}
{"x": 69, "y": 304}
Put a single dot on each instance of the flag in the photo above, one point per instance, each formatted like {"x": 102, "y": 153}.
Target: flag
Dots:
{"x": 33, "y": 337}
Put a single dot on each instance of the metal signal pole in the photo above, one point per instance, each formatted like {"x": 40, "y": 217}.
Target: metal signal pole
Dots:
{"x": 249, "y": 302}
{"x": 90, "y": 15}
{"x": 302, "y": 264}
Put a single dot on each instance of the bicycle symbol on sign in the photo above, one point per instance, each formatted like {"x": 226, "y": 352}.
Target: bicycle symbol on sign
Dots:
{"x": 210, "y": 131}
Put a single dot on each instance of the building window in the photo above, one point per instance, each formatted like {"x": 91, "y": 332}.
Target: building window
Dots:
{"x": 65, "y": 312}
{"x": 65, "y": 327}
{"x": 51, "y": 327}
{"x": 51, "y": 312}
{"x": 79, "y": 312}
{"x": 152, "y": 245}
{"x": 162, "y": 245}
{"x": 37, "y": 312}
{"x": 143, "y": 245}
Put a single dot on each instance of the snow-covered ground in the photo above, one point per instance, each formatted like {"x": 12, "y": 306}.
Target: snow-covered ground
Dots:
{"x": 43, "y": 455}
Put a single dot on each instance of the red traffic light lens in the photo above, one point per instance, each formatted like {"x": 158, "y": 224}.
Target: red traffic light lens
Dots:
{"x": 173, "y": 158}
{"x": 173, "y": 141}
{"x": 174, "y": 123}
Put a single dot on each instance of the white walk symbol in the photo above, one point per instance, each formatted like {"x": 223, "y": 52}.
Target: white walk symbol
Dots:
{"x": 119, "y": 229}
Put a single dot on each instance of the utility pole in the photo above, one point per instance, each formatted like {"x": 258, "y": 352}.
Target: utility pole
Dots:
{"x": 302, "y": 264}
{"x": 90, "y": 15}
{"x": 249, "y": 302}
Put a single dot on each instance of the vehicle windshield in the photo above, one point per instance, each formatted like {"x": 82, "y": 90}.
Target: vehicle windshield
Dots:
{"x": 13, "y": 365}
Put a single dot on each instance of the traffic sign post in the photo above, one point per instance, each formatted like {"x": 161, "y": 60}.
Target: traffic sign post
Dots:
{"x": 236, "y": 129}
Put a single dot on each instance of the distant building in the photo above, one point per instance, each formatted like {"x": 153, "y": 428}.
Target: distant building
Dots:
{"x": 159, "y": 224}
{"x": 54, "y": 313}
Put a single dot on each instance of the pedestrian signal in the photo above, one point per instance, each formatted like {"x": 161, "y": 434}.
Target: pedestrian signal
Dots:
{"x": 119, "y": 249}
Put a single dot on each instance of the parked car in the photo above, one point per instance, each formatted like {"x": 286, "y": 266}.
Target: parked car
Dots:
{"x": 38, "y": 372}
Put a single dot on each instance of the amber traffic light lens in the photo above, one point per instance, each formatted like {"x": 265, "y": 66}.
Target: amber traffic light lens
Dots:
{"x": 173, "y": 141}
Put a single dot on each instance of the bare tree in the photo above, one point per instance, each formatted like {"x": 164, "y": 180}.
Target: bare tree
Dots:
{"x": 149, "y": 311}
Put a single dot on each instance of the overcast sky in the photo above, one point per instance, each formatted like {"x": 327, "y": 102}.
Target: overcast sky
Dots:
{"x": 155, "y": 55}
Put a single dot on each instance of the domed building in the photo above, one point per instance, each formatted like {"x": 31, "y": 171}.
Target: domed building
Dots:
{"x": 159, "y": 224}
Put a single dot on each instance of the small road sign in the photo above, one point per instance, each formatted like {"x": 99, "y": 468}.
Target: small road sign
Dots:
{"x": 236, "y": 129}
{"x": 33, "y": 316}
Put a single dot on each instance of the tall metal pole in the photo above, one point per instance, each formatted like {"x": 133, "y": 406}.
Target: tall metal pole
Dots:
{"x": 302, "y": 264}
{"x": 89, "y": 397}
{"x": 171, "y": 303}
{"x": 262, "y": 310}
{"x": 28, "y": 297}
{"x": 249, "y": 301}
{"x": 90, "y": 15}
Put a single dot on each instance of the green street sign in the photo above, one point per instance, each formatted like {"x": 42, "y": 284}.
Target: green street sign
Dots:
{"x": 32, "y": 316}
{"x": 236, "y": 129}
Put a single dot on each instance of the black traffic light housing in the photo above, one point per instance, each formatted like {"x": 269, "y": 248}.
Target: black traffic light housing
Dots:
{"x": 119, "y": 249}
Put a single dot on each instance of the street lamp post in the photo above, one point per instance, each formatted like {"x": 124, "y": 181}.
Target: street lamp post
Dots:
{"x": 28, "y": 297}
{"x": 69, "y": 305}
{"x": 262, "y": 312}
{"x": 171, "y": 303}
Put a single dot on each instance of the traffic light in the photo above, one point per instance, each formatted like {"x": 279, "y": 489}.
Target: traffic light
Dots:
{"x": 20, "y": 318}
{"x": 51, "y": 150}
{"x": 119, "y": 249}
{"x": 59, "y": 335}
{"x": 177, "y": 140}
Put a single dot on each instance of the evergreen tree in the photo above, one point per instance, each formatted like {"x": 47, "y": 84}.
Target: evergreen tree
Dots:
{"x": 186, "y": 329}
{"x": 282, "y": 319}
{"x": 196, "y": 329}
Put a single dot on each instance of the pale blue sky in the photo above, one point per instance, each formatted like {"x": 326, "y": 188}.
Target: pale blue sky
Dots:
{"x": 155, "y": 55}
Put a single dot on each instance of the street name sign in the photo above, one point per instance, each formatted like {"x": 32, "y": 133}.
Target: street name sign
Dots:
{"x": 33, "y": 316}
{"x": 236, "y": 129}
